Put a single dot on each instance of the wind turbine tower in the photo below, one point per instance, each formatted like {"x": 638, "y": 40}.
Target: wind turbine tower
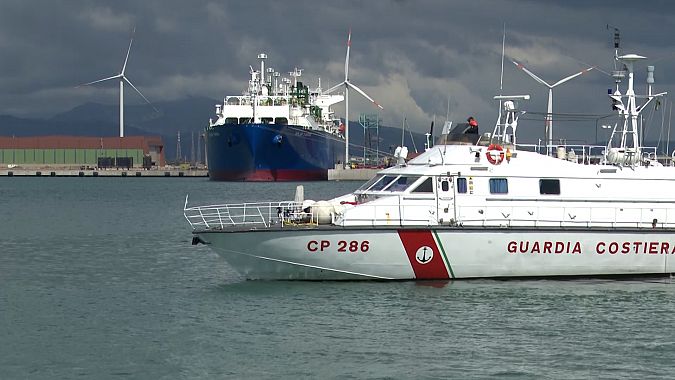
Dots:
{"x": 549, "y": 109}
{"x": 347, "y": 84}
{"x": 122, "y": 78}
{"x": 179, "y": 153}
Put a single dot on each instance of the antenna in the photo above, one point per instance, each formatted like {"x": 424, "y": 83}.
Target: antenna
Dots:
{"x": 122, "y": 78}
{"x": 617, "y": 38}
{"x": 413, "y": 139}
{"x": 618, "y": 73}
{"x": 501, "y": 80}
{"x": 549, "y": 110}
{"x": 501, "y": 76}
{"x": 447, "y": 113}
{"x": 403, "y": 133}
{"x": 670, "y": 118}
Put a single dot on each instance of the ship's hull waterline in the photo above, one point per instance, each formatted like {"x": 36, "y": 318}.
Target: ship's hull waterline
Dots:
{"x": 271, "y": 152}
{"x": 441, "y": 253}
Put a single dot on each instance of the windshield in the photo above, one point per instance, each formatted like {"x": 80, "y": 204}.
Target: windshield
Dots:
{"x": 391, "y": 183}
{"x": 384, "y": 182}
{"x": 370, "y": 183}
{"x": 401, "y": 183}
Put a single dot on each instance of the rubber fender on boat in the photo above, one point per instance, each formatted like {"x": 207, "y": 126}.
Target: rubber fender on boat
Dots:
{"x": 321, "y": 212}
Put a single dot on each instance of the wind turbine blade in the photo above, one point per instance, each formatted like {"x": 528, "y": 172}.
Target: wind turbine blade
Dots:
{"x": 334, "y": 88}
{"x": 528, "y": 72}
{"x": 127, "y": 58}
{"x": 139, "y": 93}
{"x": 100, "y": 80}
{"x": 349, "y": 44}
{"x": 572, "y": 76}
{"x": 364, "y": 94}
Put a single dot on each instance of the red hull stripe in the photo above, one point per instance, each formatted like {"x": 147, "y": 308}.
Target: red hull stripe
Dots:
{"x": 424, "y": 255}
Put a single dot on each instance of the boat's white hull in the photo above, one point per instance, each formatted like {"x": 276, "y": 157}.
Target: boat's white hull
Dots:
{"x": 352, "y": 254}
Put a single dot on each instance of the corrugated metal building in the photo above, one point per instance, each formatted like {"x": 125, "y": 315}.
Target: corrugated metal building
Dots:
{"x": 134, "y": 151}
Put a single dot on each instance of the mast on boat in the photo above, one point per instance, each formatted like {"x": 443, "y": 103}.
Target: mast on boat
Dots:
{"x": 507, "y": 121}
{"x": 627, "y": 152}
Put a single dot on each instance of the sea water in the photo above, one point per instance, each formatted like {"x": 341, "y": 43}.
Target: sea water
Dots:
{"x": 98, "y": 280}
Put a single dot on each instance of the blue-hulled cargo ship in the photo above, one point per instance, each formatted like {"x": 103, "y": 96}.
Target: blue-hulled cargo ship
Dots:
{"x": 277, "y": 130}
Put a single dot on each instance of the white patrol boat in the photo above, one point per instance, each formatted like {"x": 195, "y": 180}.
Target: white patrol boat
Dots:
{"x": 492, "y": 208}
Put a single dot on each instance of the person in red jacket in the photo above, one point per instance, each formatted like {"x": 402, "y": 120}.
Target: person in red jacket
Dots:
{"x": 473, "y": 126}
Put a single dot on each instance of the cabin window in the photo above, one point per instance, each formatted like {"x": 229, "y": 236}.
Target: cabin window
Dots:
{"x": 499, "y": 186}
{"x": 401, "y": 183}
{"x": 231, "y": 120}
{"x": 549, "y": 186}
{"x": 461, "y": 185}
{"x": 244, "y": 120}
{"x": 281, "y": 120}
{"x": 266, "y": 120}
{"x": 427, "y": 186}
{"x": 381, "y": 184}
{"x": 445, "y": 185}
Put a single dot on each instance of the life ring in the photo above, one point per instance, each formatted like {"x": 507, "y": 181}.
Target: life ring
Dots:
{"x": 495, "y": 154}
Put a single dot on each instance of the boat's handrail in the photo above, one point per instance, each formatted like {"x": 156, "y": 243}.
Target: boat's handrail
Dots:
{"x": 619, "y": 216}
{"x": 268, "y": 214}
{"x": 646, "y": 216}
{"x": 584, "y": 153}
{"x": 257, "y": 214}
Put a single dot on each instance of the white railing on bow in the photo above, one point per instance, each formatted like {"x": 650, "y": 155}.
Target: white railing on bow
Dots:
{"x": 258, "y": 214}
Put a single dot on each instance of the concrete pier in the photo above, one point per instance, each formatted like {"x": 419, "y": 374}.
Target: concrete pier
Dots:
{"x": 340, "y": 174}
{"x": 337, "y": 174}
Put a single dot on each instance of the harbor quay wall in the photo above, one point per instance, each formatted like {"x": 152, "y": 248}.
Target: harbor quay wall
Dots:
{"x": 339, "y": 174}
{"x": 65, "y": 172}
{"x": 70, "y": 170}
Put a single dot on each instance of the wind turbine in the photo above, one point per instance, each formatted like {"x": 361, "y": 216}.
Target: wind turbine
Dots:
{"x": 549, "y": 111}
{"x": 122, "y": 79}
{"x": 348, "y": 84}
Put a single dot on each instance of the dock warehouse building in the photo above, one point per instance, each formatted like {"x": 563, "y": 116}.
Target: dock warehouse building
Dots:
{"x": 70, "y": 151}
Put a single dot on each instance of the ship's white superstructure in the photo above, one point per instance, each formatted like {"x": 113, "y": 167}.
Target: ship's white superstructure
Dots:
{"x": 273, "y": 99}
{"x": 491, "y": 209}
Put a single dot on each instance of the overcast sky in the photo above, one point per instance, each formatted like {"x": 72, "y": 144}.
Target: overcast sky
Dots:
{"x": 411, "y": 56}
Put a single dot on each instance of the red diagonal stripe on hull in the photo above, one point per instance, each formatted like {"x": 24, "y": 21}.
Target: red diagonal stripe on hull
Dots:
{"x": 412, "y": 241}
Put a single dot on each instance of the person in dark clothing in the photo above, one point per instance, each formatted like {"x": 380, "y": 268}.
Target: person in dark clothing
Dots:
{"x": 472, "y": 127}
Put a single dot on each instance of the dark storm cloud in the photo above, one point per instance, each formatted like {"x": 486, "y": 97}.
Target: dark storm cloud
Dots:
{"x": 410, "y": 55}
